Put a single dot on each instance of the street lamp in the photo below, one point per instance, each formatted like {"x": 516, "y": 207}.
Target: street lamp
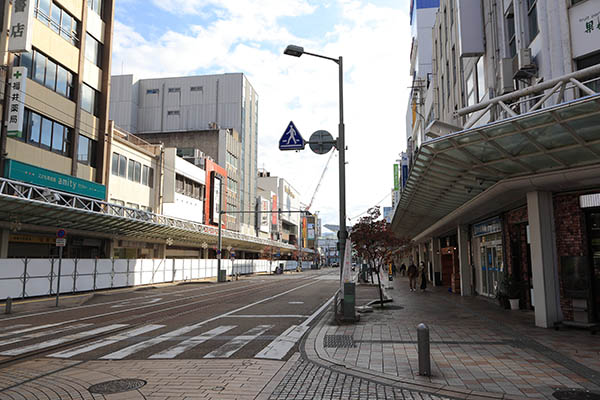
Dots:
{"x": 297, "y": 51}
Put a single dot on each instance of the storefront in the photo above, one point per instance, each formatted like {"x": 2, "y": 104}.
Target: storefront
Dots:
{"x": 488, "y": 256}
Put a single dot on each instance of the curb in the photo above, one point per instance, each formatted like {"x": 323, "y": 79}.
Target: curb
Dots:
{"x": 313, "y": 350}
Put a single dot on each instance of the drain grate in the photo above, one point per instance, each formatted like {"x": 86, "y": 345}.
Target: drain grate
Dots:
{"x": 338, "y": 341}
{"x": 575, "y": 394}
{"x": 116, "y": 386}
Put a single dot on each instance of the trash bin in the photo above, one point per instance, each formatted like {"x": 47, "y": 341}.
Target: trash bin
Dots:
{"x": 222, "y": 275}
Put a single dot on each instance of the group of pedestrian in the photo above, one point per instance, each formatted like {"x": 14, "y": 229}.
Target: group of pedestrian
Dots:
{"x": 415, "y": 273}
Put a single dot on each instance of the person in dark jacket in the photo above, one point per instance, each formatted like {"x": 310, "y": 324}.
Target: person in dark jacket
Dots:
{"x": 423, "y": 275}
{"x": 412, "y": 276}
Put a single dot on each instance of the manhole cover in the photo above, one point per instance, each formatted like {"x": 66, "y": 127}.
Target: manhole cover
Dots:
{"x": 338, "y": 341}
{"x": 116, "y": 386}
{"x": 575, "y": 394}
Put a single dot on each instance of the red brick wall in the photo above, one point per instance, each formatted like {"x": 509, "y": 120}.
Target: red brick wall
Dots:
{"x": 571, "y": 238}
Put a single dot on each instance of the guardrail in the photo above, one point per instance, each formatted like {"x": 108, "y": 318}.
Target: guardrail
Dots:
{"x": 22, "y": 278}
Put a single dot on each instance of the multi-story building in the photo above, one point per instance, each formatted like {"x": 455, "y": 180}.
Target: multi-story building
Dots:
{"x": 506, "y": 178}
{"x": 57, "y": 56}
{"x": 147, "y": 107}
{"x": 223, "y": 146}
{"x": 288, "y": 203}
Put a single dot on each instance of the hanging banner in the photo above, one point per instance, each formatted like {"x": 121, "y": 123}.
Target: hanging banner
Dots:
{"x": 396, "y": 176}
{"x": 16, "y": 101}
{"x": 347, "y": 271}
{"x": 21, "y": 26}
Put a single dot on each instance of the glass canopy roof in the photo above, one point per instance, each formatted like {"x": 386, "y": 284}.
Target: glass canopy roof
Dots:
{"x": 453, "y": 169}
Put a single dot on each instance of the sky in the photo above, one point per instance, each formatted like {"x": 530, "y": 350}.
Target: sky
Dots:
{"x": 166, "y": 38}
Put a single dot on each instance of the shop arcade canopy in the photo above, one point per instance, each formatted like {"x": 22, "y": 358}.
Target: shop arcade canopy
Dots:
{"x": 460, "y": 167}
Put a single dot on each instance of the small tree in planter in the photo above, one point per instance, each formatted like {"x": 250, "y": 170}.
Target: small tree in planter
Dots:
{"x": 510, "y": 291}
{"x": 374, "y": 241}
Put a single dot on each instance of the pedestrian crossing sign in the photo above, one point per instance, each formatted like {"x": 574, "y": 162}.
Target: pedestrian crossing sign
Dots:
{"x": 291, "y": 139}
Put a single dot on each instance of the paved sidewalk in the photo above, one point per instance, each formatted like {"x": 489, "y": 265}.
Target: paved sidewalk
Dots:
{"x": 478, "y": 350}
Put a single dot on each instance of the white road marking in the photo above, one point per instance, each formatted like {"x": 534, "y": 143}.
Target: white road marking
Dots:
{"x": 120, "y": 354}
{"x": 7, "y": 328}
{"x": 237, "y": 343}
{"x": 279, "y": 347}
{"x": 54, "y": 342}
{"x": 34, "y": 328}
{"x": 84, "y": 348}
{"x": 266, "y": 316}
{"x": 41, "y": 334}
{"x": 136, "y": 301}
{"x": 174, "y": 351}
{"x": 295, "y": 302}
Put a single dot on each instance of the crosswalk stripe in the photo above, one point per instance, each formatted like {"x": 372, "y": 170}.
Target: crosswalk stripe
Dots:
{"x": 174, "y": 351}
{"x": 41, "y": 334}
{"x": 54, "y": 342}
{"x": 105, "y": 342}
{"x": 120, "y": 354}
{"x": 34, "y": 328}
{"x": 8, "y": 328}
{"x": 238, "y": 342}
{"x": 279, "y": 347}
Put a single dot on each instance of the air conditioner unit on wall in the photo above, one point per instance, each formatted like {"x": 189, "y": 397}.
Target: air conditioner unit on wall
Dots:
{"x": 507, "y": 83}
{"x": 525, "y": 67}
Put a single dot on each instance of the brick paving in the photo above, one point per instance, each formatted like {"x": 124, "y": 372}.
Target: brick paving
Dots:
{"x": 477, "y": 348}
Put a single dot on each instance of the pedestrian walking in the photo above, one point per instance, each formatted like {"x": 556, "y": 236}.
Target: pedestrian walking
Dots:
{"x": 412, "y": 276}
{"x": 393, "y": 268}
{"x": 402, "y": 269}
{"x": 423, "y": 275}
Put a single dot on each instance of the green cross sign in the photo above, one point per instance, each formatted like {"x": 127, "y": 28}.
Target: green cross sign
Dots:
{"x": 17, "y": 74}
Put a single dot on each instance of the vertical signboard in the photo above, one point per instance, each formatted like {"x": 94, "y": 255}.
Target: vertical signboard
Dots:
{"x": 216, "y": 198}
{"x": 404, "y": 169}
{"x": 264, "y": 225}
{"x": 16, "y": 101}
{"x": 396, "y": 176}
{"x": 21, "y": 26}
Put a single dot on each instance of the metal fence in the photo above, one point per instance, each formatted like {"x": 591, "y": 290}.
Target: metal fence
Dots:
{"x": 21, "y": 278}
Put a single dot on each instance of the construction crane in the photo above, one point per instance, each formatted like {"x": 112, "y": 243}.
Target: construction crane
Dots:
{"x": 320, "y": 180}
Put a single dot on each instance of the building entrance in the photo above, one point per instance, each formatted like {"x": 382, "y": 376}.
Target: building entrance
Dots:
{"x": 492, "y": 266}
{"x": 594, "y": 229}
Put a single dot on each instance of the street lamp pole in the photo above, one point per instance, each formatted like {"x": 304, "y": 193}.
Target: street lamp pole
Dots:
{"x": 297, "y": 51}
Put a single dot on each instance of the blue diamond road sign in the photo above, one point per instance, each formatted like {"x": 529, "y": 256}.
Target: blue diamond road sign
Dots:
{"x": 291, "y": 139}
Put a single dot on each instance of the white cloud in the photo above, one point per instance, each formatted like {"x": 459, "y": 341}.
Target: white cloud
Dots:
{"x": 375, "y": 44}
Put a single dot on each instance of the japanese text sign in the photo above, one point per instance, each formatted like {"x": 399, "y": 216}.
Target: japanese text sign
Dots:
{"x": 16, "y": 101}
{"x": 21, "y": 25}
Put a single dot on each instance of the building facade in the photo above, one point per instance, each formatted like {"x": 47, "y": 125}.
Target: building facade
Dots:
{"x": 196, "y": 103}
{"x": 505, "y": 180}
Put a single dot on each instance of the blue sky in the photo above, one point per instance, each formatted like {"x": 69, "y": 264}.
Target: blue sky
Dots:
{"x": 160, "y": 38}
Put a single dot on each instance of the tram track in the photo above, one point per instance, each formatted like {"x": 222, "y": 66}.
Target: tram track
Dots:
{"x": 130, "y": 320}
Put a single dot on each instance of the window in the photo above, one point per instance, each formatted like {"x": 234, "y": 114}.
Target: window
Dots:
{"x": 480, "y": 80}
{"x": 137, "y": 175}
{"x": 470, "y": 89}
{"x": 174, "y": 112}
{"x": 152, "y": 91}
{"x": 151, "y": 177}
{"x": 122, "y": 166}
{"x": 196, "y": 89}
{"x": 454, "y": 64}
{"x": 451, "y": 12}
{"x": 93, "y": 50}
{"x": 48, "y": 73}
{"x": 510, "y": 33}
{"x": 586, "y": 62}
{"x": 448, "y": 80}
{"x": 86, "y": 153}
{"x": 45, "y": 133}
{"x": 115, "y": 164}
{"x": 179, "y": 184}
{"x": 90, "y": 100}
{"x": 96, "y": 6}
{"x": 145, "y": 173}
{"x": 188, "y": 187}
{"x": 130, "y": 170}
{"x": 57, "y": 19}
{"x": 532, "y": 19}
{"x": 175, "y": 90}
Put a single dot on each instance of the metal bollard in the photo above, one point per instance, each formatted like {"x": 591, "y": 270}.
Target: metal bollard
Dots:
{"x": 423, "y": 350}
{"x": 8, "y": 306}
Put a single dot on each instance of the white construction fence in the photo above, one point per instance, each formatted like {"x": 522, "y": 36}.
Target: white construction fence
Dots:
{"x": 21, "y": 278}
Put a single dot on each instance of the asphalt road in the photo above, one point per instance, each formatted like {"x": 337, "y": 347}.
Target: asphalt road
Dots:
{"x": 255, "y": 317}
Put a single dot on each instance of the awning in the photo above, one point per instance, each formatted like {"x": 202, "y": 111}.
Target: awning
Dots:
{"x": 451, "y": 170}
{"x": 25, "y": 204}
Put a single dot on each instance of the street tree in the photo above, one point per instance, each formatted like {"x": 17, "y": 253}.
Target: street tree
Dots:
{"x": 374, "y": 241}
